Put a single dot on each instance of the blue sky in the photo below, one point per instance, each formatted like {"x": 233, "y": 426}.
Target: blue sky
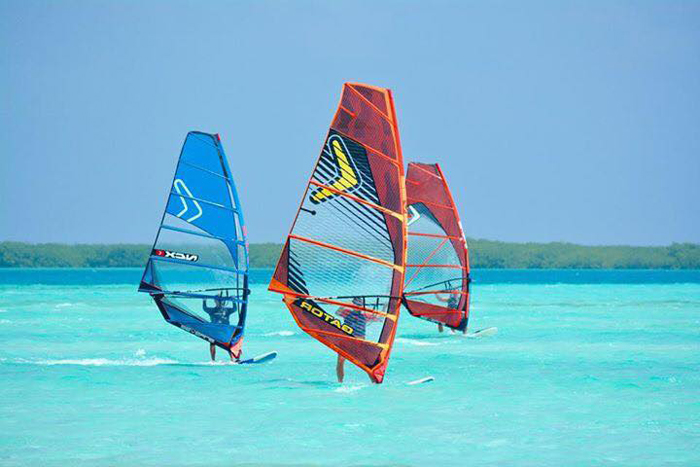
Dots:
{"x": 571, "y": 121}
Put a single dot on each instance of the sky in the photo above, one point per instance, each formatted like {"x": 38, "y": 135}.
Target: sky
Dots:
{"x": 552, "y": 121}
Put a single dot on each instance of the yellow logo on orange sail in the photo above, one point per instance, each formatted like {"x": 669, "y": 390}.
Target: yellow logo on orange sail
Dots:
{"x": 311, "y": 307}
{"x": 347, "y": 177}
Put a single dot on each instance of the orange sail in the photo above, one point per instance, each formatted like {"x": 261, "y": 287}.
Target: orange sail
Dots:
{"x": 342, "y": 267}
{"x": 437, "y": 269}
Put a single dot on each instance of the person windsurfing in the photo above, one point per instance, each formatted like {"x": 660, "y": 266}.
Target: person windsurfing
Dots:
{"x": 452, "y": 304}
{"x": 221, "y": 314}
{"x": 357, "y": 320}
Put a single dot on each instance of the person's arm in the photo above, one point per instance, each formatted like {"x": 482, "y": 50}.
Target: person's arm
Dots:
{"x": 439, "y": 297}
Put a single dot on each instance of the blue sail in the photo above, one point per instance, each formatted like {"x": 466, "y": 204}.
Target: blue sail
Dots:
{"x": 197, "y": 271}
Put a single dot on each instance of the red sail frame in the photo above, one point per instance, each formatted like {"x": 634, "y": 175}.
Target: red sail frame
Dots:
{"x": 426, "y": 184}
{"x": 366, "y": 121}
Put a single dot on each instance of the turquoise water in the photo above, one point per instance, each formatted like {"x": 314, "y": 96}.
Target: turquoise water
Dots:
{"x": 588, "y": 368}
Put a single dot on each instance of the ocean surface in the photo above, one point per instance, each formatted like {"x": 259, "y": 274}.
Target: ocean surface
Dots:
{"x": 587, "y": 368}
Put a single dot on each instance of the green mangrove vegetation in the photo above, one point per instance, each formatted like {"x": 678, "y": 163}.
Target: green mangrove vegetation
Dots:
{"x": 483, "y": 254}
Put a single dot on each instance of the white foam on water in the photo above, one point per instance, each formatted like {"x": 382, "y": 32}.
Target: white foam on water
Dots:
{"x": 279, "y": 333}
{"x": 104, "y": 362}
{"x": 350, "y": 388}
{"x": 140, "y": 353}
{"x": 5, "y": 321}
{"x": 427, "y": 379}
{"x": 63, "y": 305}
{"x": 214, "y": 363}
{"x": 487, "y": 332}
{"x": 416, "y": 342}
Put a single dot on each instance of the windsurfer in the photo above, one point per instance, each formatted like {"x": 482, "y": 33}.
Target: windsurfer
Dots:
{"x": 357, "y": 320}
{"x": 220, "y": 314}
{"x": 452, "y": 301}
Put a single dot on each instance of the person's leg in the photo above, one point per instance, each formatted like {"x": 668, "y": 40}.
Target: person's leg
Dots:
{"x": 340, "y": 368}
{"x": 233, "y": 357}
{"x": 212, "y": 351}
{"x": 440, "y": 327}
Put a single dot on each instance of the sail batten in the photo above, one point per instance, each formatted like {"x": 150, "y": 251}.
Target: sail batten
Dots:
{"x": 197, "y": 272}
{"x": 201, "y": 200}
{"x": 194, "y": 166}
{"x": 343, "y": 250}
{"x": 206, "y": 266}
{"x": 358, "y": 199}
{"x": 341, "y": 269}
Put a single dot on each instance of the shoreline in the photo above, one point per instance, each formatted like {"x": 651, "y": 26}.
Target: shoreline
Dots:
{"x": 483, "y": 254}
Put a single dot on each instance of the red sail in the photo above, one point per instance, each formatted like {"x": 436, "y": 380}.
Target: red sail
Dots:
{"x": 342, "y": 267}
{"x": 437, "y": 268}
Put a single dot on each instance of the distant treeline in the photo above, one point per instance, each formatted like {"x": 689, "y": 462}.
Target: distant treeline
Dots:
{"x": 59, "y": 255}
{"x": 491, "y": 254}
{"x": 482, "y": 253}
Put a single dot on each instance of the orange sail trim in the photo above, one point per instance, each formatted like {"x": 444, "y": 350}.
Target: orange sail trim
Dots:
{"x": 427, "y": 172}
{"x": 433, "y": 235}
{"x": 438, "y": 266}
{"x": 429, "y": 292}
{"x": 341, "y": 271}
{"x": 381, "y": 154}
{"x": 456, "y": 214}
{"x": 343, "y": 250}
{"x": 341, "y": 336}
{"x": 441, "y": 311}
{"x": 272, "y": 288}
{"x": 449, "y": 266}
{"x": 431, "y": 203}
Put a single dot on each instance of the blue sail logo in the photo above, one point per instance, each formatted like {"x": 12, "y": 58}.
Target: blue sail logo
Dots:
{"x": 180, "y": 187}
